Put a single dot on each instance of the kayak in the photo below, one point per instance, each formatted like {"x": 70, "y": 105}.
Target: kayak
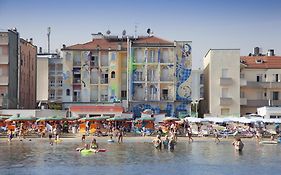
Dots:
{"x": 268, "y": 142}
{"x": 89, "y": 151}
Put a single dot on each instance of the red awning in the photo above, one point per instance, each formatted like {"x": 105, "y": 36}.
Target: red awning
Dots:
{"x": 97, "y": 109}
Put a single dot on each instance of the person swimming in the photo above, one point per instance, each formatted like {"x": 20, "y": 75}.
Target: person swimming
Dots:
{"x": 157, "y": 142}
{"x": 111, "y": 139}
{"x": 238, "y": 144}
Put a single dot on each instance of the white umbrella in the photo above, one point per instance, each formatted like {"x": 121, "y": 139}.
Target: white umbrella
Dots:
{"x": 195, "y": 120}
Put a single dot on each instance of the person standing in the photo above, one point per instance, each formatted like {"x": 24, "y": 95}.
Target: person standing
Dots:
{"x": 120, "y": 135}
{"x": 189, "y": 134}
{"x": 238, "y": 144}
{"x": 216, "y": 135}
{"x": 157, "y": 142}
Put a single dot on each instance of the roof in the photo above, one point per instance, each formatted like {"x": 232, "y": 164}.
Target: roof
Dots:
{"x": 114, "y": 43}
{"x": 102, "y": 44}
{"x": 97, "y": 109}
{"x": 265, "y": 62}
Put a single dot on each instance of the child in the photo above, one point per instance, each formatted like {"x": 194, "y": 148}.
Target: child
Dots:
{"x": 83, "y": 137}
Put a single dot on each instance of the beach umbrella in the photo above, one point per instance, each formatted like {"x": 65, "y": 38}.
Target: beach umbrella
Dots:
{"x": 246, "y": 120}
{"x": 146, "y": 119}
{"x": 4, "y": 117}
{"x": 99, "y": 118}
{"x": 21, "y": 118}
{"x": 171, "y": 119}
{"x": 72, "y": 118}
{"x": 119, "y": 118}
{"x": 195, "y": 120}
{"x": 52, "y": 118}
{"x": 272, "y": 120}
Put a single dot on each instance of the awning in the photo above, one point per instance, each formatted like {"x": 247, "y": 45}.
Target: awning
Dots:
{"x": 97, "y": 109}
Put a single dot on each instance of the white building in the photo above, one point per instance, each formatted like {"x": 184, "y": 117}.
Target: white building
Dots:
{"x": 222, "y": 82}
{"x": 49, "y": 78}
{"x": 269, "y": 112}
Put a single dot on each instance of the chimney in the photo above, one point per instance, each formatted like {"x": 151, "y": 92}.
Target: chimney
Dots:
{"x": 40, "y": 49}
{"x": 270, "y": 52}
{"x": 31, "y": 40}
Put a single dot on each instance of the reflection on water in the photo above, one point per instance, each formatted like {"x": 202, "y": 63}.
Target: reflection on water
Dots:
{"x": 38, "y": 157}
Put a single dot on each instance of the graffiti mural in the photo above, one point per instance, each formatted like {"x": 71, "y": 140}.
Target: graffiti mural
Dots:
{"x": 183, "y": 71}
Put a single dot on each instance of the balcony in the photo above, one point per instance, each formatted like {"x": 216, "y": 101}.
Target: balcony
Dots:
{"x": 225, "y": 101}
{"x": 4, "y": 59}
{"x": 166, "y": 98}
{"x": 76, "y": 99}
{"x": 94, "y": 64}
{"x": 260, "y": 103}
{"x": 254, "y": 84}
{"x": 76, "y": 63}
{"x": 104, "y": 81}
{"x": 4, "y": 40}
{"x": 4, "y": 80}
{"x": 226, "y": 81}
{"x": 243, "y": 82}
{"x": 76, "y": 80}
{"x": 243, "y": 101}
{"x": 168, "y": 78}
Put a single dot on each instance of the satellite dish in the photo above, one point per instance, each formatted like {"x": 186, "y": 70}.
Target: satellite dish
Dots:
{"x": 124, "y": 32}
{"x": 148, "y": 31}
{"x": 108, "y": 32}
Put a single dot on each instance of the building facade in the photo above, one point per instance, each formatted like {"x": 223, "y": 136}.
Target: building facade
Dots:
{"x": 260, "y": 81}
{"x": 9, "y": 56}
{"x": 159, "y": 76}
{"x": 49, "y": 79}
{"x": 222, "y": 82}
{"x": 27, "y": 75}
{"x": 137, "y": 73}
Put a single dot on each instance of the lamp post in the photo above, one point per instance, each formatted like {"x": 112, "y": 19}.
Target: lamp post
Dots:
{"x": 195, "y": 102}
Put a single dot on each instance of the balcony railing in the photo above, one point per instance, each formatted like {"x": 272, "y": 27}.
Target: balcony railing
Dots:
{"x": 169, "y": 78}
{"x": 260, "y": 103}
{"x": 225, "y": 101}
{"x": 77, "y": 80}
{"x": 226, "y": 81}
{"x": 243, "y": 101}
{"x": 254, "y": 84}
{"x": 4, "y": 59}
{"x": 76, "y": 63}
{"x": 104, "y": 81}
{"x": 4, "y": 80}
{"x": 166, "y": 97}
{"x": 76, "y": 99}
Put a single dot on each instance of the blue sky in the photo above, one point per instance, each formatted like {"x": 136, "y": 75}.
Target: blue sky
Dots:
{"x": 208, "y": 24}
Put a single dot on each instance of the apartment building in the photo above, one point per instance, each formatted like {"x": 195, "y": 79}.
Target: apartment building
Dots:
{"x": 9, "y": 55}
{"x": 260, "y": 81}
{"x": 95, "y": 72}
{"x": 49, "y": 78}
{"x": 222, "y": 82}
{"x": 159, "y": 76}
{"x": 137, "y": 73}
{"x": 27, "y": 75}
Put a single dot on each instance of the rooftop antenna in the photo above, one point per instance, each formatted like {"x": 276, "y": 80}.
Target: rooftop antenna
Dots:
{"x": 136, "y": 29}
{"x": 48, "y": 34}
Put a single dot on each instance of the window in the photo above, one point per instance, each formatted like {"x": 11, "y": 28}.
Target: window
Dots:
{"x": 1, "y": 51}
{"x": 68, "y": 92}
{"x": 113, "y": 56}
{"x": 112, "y": 92}
{"x": 123, "y": 94}
{"x": 259, "y": 78}
{"x": 224, "y": 92}
{"x": 242, "y": 94}
{"x": 275, "y": 95}
{"x": 224, "y": 73}
{"x": 224, "y": 111}
{"x": 277, "y": 78}
{"x": 165, "y": 94}
{"x": 113, "y": 74}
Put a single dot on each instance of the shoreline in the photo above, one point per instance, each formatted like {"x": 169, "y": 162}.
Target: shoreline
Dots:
{"x": 133, "y": 139}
